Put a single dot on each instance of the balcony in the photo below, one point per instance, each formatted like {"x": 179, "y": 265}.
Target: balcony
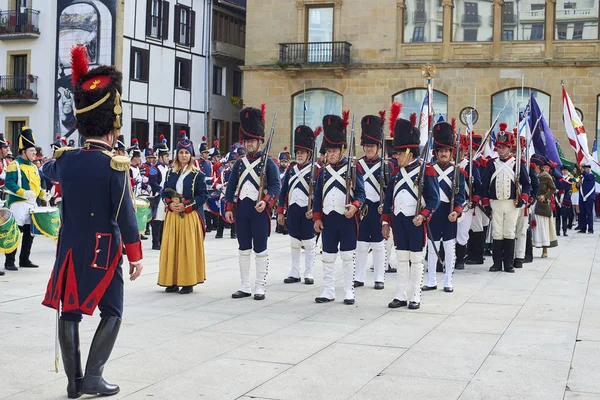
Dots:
{"x": 24, "y": 24}
{"x": 18, "y": 89}
{"x": 228, "y": 52}
{"x": 419, "y": 17}
{"x": 471, "y": 20}
{"x": 578, "y": 14}
{"x": 314, "y": 53}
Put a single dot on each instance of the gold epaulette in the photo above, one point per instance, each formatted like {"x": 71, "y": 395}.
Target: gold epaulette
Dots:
{"x": 59, "y": 152}
{"x": 119, "y": 163}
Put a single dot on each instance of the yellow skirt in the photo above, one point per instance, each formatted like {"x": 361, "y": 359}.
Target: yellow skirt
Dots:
{"x": 182, "y": 261}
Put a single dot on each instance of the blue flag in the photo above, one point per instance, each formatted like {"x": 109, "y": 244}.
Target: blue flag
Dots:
{"x": 542, "y": 138}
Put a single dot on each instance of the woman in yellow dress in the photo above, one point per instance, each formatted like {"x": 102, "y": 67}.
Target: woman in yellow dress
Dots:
{"x": 182, "y": 261}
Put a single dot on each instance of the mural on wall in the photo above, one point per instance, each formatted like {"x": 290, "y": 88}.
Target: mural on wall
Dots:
{"x": 92, "y": 24}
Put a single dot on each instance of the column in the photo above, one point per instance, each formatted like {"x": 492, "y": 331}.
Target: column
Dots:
{"x": 337, "y": 18}
{"x": 497, "y": 31}
{"x": 400, "y": 16}
{"x": 301, "y": 21}
{"x": 549, "y": 29}
{"x": 448, "y": 5}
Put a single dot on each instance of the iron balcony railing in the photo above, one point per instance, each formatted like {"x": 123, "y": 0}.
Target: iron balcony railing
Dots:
{"x": 25, "y": 20}
{"x": 315, "y": 53}
{"x": 471, "y": 19}
{"x": 14, "y": 87}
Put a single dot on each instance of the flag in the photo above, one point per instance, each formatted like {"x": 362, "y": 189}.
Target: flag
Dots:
{"x": 424, "y": 120}
{"x": 526, "y": 133}
{"x": 542, "y": 137}
{"x": 571, "y": 164}
{"x": 576, "y": 131}
{"x": 489, "y": 147}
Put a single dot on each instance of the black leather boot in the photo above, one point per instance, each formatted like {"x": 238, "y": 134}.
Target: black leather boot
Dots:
{"x": 509, "y": 255}
{"x": 156, "y": 226}
{"x": 26, "y": 243}
{"x": 476, "y": 246}
{"x": 528, "y": 248}
{"x": 208, "y": 220}
{"x": 220, "y": 229}
{"x": 102, "y": 345}
{"x": 9, "y": 263}
{"x": 460, "y": 256}
{"x": 497, "y": 252}
{"x": 233, "y": 234}
{"x": 68, "y": 336}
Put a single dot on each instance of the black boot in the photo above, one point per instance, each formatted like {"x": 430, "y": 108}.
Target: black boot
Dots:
{"x": 509, "y": 255}
{"x": 68, "y": 336}
{"x": 156, "y": 227}
{"x": 528, "y": 248}
{"x": 147, "y": 233}
{"x": 9, "y": 263}
{"x": 476, "y": 245}
{"x": 102, "y": 345}
{"x": 460, "y": 256}
{"x": 518, "y": 263}
{"x": 26, "y": 243}
{"x": 498, "y": 251}
{"x": 233, "y": 234}
{"x": 220, "y": 229}
{"x": 208, "y": 219}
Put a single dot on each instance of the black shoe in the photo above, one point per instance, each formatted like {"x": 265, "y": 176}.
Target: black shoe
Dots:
{"x": 518, "y": 263}
{"x": 291, "y": 279}
{"x": 581, "y": 231}
{"x": 155, "y": 247}
{"x": 528, "y": 259}
{"x": 147, "y": 232}
{"x": 378, "y": 286}
{"x": 278, "y": 229}
{"x": 509, "y": 270}
{"x": 426, "y": 288}
{"x": 391, "y": 270}
{"x": 208, "y": 229}
{"x": 233, "y": 235}
{"x": 461, "y": 251}
{"x": 448, "y": 289}
{"x": 68, "y": 336}
{"x": 348, "y": 302}
{"x": 358, "y": 284}
{"x": 413, "y": 305}
{"x": 487, "y": 252}
{"x": 239, "y": 295}
{"x": 309, "y": 281}
{"x": 186, "y": 290}
{"x": 142, "y": 237}
{"x": 323, "y": 300}
{"x": 494, "y": 268}
{"x": 565, "y": 234}
{"x": 397, "y": 303}
{"x": 219, "y": 235}
{"x": 12, "y": 267}
{"x": 102, "y": 345}
{"x": 172, "y": 289}
{"x": 592, "y": 232}
{"x": 2, "y": 273}
{"x": 27, "y": 264}
{"x": 259, "y": 297}
{"x": 460, "y": 266}
{"x": 470, "y": 261}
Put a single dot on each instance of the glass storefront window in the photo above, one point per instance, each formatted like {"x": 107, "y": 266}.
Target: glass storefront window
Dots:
{"x": 412, "y": 102}
{"x": 523, "y": 20}
{"x": 318, "y": 104}
{"x": 473, "y": 21}
{"x": 576, "y": 20}
{"x": 510, "y": 113}
{"x": 424, "y": 21}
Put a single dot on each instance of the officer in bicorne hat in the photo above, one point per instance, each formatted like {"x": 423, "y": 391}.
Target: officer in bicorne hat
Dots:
{"x": 400, "y": 209}
{"x": 369, "y": 230}
{"x": 501, "y": 200}
{"x": 293, "y": 198}
{"x": 253, "y": 215}
{"x": 100, "y": 218}
{"x": 119, "y": 147}
{"x": 443, "y": 222}
{"x": 337, "y": 220}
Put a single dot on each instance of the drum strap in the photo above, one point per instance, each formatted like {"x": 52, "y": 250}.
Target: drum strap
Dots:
{"x": 125, "y": 180}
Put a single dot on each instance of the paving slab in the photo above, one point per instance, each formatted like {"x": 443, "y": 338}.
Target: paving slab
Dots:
{"x": 585, "y": 368}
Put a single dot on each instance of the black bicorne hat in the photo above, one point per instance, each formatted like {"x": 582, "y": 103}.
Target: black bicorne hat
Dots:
{"x": 372, "y": 129}
{"x": 252, "y": 123}
{"x": 443, "y": 136}
{"x": 334, "y": 130}
{"x": 120, "y": 145}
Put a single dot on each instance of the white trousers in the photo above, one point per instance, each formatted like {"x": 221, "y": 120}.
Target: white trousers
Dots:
{"x": 409, "y": 275}
{"x": 463, "y": 227}
{"x": 379, "y": 260}
{"x": 309, "y": 257}
{"x": 521, "y": 235}
{"x": 329, "y": 274}
{"x": 449, "y": 261}
{"x": 504, "y": 215}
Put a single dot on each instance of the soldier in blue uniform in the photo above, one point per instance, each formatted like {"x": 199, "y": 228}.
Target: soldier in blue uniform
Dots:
{"x": 401, "y": 209}
{"x": 294, "y": 198}
{"x": 564, "y": 211}
{"x": 156, "y": 180}
{"x": 253, "y": 215}
{"x": 369, "y": 230}
{"x": 443, "y": 222}
{"x": 284, "y": 163}
{"x": 336, "y": 219}
{"x": 221, "y": 186}
{"x": 501, "y": 200}
{"x": 97, "y": 219}
{"x": 587, "y": 198}
{"x": 119, "y": 148}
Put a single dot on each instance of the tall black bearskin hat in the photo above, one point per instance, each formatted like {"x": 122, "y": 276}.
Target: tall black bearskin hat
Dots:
{"x": 97, "y": 95}
{"x": 504, "y": 137}
{"x": 477, "y": 140}
{"x": 334, "y": 130}
{"x": 443, "y": 135}
{"x": 3, "y": 141}
{"x": 372, "y": 129}
{"x": 304, "y": 137}
{"x": 120, "y": 145}
{"x": 404, "y": 132}
{"x": 26, "y": 139}
{"x": 252, "y": 123}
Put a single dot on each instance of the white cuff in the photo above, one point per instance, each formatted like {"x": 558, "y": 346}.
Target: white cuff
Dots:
{"x": 384, "y": 223}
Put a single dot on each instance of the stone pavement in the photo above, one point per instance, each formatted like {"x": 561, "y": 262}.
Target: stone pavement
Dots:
{"x": 530, "y": 335}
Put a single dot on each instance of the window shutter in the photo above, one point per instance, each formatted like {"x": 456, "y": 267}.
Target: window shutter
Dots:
{"x": 132, "y": 63}
{"x": 192, "y": 28}
{"x": 177, "y": 22}
{"x": 149, "y": 18}
{"x": 146, "y": 66}
{"x": 165, "y": 20}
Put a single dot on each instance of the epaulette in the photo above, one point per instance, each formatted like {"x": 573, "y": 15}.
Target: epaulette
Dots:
{"x": 59, "y": 152}
{"x": 430, "y": 171}
{"x": 119, "y": 163}
{"x": 359, "y": 168}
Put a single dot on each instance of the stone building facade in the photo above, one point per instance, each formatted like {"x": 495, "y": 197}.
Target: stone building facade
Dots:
{"x": 356, "y": 55}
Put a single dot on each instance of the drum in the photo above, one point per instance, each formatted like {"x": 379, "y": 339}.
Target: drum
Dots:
{"x": 46, "y": 221}
{"x": 9, "y": 232}
{"x": 143, "y": 213}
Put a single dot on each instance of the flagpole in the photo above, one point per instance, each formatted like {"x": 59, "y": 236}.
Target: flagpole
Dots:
{"x": 304, "y": 106}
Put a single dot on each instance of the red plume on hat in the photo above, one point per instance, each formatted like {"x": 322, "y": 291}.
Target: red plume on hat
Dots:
{"x": 284, "y": 148}
{"x": 453, "y": 123}
{"x": 318, "y": 131}
{"x": 395, "y": 110}
{"x": 134, "y": 141}
{"x": 413, "y": 120}
{"x": 263, "y": 111}
{"x": 345, "y": 118}
{"x": 161, "y": 137}
{"x": 216, "y": 143}
{"x": 503, "y": 126}
{"x": 382, "y": 116}
{"x": 79, "y": 63}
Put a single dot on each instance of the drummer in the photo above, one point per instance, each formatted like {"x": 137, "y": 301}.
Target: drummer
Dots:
{"x": 156, "y": 180}
{"x": 23, "y": 185}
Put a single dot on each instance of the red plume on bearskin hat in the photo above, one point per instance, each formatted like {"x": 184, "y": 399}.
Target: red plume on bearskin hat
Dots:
{"x": 405, "y": 134}
{"x": 395, "y": 110}
{"x": 79, "y": 63}
{"x": 413, "y": 119}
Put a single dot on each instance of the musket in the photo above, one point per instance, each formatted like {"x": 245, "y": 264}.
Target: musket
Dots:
{"x": 384, "y": 174}
{"x": 350, "y": 166}
{"x": 488, "y": 134}
{"x": 471, "y": 179}
{"x": 456, "y": 177}
{"x": 313, "y": 170}
{"x": 264, "y": 160}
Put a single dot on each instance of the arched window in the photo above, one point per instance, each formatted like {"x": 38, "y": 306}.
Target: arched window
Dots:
{"x": 310, "y": 107}
{"x": 510, "y": 113}
{"x": 412, "y": 102}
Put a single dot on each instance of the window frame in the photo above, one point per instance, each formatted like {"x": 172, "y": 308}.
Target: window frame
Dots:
{"x": 237, "y": 86}
{"x": 527, "y": 89}
{"x": 162, "y": 20}
{"x": 218, "y": 84}
{"x": 178, "y": 73}
{"x": 188, "y": 26}
{"x": 145, "y": 74}
{"x": 135, "y": 123}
